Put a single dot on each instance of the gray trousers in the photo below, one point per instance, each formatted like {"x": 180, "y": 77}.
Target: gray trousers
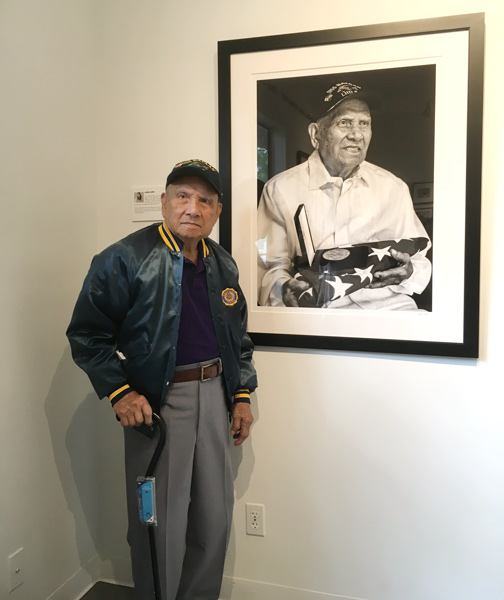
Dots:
{"x": 194, "y": 490}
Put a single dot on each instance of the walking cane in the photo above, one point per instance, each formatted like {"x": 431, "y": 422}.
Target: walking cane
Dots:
{"x": 146, "y": 494}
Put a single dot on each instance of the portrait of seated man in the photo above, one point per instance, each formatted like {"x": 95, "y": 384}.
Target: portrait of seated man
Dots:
{"x": 341, "y": 206}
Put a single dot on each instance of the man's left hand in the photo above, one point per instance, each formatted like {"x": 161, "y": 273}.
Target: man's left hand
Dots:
{"x": 242, "y": 420}
{"x": 396, "y": 275}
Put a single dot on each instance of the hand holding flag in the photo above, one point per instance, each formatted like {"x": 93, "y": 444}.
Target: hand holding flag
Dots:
{"x": 338, "y": 272}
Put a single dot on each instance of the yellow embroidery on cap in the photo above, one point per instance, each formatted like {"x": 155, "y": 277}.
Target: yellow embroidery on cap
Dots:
{"x": 229, "y": 297}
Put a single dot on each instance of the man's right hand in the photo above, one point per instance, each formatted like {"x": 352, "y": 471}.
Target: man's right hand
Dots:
{"x": 133, "y": 409}
{"x": 292, "y": 289}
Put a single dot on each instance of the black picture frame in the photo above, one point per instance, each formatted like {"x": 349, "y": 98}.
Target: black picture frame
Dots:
{"x": 462, "y": 336}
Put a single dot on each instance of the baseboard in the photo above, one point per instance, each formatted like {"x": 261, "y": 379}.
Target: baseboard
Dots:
{"x": 118, "y": 571}
{"x": 243, "y": 589}
{"x": 111, "y": 571}
{"x": 79, "y": 583}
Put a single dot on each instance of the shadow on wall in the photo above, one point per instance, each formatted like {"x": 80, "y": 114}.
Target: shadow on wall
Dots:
{"x": 88, "y": 453}
{"x": 242, "y": 457}
{"x": 242, "y": 463}
{"x": 78, "y": 444}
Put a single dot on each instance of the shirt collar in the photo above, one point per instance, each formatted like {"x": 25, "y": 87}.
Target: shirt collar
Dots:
{"x": 319, "y": 175}
{"x": 175, "y": 244}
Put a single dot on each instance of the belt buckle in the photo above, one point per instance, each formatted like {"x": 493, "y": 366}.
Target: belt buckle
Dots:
{"x": 202, "y": 372}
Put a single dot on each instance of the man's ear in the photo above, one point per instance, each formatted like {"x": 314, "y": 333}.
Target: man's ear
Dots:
{"x": 163, "y": 203}
{"x": 313, "y": 131}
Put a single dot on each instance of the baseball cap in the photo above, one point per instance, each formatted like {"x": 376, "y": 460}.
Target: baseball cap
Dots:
{"x": 344, "y": 90}
{"x": 197, "y": 167}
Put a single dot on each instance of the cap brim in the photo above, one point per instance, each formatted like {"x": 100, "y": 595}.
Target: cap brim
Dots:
{"x": 372, "y": 99}
{"x": 194, "y": 171}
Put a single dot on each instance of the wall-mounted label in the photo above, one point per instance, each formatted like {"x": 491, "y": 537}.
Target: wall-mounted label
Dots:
{"x": 147, "y": 203}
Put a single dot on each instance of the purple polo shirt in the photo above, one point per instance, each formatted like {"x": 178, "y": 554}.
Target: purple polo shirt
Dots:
{"x": 197, "y": 341}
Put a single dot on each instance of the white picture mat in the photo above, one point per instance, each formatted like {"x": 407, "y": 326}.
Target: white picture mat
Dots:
{"x": 449, "y": 52}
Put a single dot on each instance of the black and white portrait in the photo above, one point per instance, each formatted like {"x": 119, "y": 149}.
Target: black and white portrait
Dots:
{"x": 342, "y": 161}
{"x": 352, "y": 158}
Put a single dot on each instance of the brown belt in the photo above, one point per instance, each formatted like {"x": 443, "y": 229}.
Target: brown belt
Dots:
{"x": 202, "y": 373}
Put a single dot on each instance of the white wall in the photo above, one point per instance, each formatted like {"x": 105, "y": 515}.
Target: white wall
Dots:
{"x": 48, "y": 457}
{"x": 382, "y": 476}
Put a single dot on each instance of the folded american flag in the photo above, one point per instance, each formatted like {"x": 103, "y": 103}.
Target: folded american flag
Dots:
{"x": 338, "y": 272}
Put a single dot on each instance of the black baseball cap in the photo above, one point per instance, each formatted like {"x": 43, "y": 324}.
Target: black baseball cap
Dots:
{"x": 344, "y": 90}
{"x": 197, "y": 167}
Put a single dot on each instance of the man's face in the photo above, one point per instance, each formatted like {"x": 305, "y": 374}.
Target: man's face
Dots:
{"x": 190, "y": 208}
{"x": 342, "y": 137}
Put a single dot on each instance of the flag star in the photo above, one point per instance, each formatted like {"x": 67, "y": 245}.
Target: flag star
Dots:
{"x": 340, "y": 288}
{"x": 364, "y": 273}
{"x": 308, "y": 292}
{"x": 380, "y": 252}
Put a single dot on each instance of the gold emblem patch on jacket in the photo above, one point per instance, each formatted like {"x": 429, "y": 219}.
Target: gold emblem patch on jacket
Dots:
{"x": 229, "y": 297}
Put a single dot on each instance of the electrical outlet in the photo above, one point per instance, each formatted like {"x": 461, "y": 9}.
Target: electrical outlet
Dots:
{"x": 255, "y": 519}
{"x": 16, "y": 570}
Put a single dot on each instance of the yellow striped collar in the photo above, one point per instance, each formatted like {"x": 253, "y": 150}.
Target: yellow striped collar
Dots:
{"x": 168, "y": 238}
{"x": 174, "y": 244}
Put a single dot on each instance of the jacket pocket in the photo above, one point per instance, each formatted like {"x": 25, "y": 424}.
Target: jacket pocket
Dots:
{"x": 135, "y": 349}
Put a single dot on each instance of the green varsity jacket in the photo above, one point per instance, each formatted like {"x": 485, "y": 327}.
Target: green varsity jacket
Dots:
{"x": 124, "y": 328}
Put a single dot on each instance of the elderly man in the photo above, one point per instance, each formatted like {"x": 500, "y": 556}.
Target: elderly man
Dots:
{"x": 160, "y": 325}
{"x": 346, "y": 201}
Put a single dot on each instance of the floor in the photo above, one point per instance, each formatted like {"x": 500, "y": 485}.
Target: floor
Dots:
{"x": 108, "y": 591}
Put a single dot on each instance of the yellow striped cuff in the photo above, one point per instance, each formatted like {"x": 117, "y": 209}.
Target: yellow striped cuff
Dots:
{"x": 117, "y": 392}
{"x": 242, "y": 395}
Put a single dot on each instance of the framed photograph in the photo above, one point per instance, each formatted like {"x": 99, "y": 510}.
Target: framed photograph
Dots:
{"x": 350, "y": 205}
{"x": 423, "y": 202}
{"x": 422, "y": 193}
